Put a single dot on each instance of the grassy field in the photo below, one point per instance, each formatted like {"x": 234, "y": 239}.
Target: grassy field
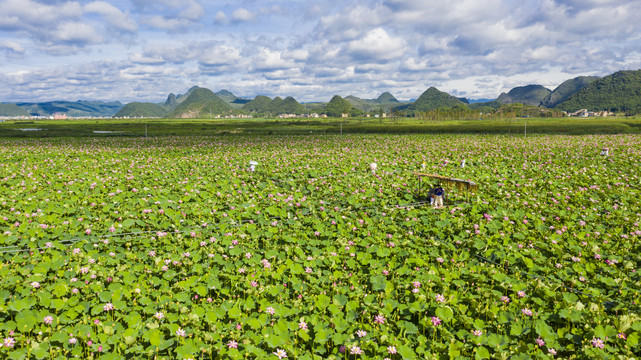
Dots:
{"x": 213, "y": 127}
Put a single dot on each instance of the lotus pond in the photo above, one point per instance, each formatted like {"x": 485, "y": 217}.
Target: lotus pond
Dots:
{"x": 171, "y": 248}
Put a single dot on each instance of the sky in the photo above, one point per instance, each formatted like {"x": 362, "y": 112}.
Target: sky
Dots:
{"x": 142, "y": 50}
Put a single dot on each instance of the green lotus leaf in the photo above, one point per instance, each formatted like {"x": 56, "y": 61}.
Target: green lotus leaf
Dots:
{"x": 40, "y": 353}
{"x": 378, "y": 282}
{"x": 445, "y": 313}
{"x": 234, "y": 312}
{"x": 406, "y": 352}
{"x": 18, "y": 354}
{"x": 322, "y": 301}
{"x": 497, "y": 340}
{"x": 25, "y": 320}
{"x": 111, "y": 356}
{"x": 155, "y": 337}
{"x": 22, "y": 304}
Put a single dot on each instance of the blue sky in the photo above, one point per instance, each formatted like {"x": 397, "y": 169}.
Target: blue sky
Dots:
{"x": 141, "y": 50}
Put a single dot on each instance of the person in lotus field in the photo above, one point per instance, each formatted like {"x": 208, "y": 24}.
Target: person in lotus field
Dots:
{"x": 436, "y": 196}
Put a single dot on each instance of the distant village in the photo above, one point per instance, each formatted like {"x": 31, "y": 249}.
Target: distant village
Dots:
{"x": 64, "y": 116}
{"x": 586, "y": 113}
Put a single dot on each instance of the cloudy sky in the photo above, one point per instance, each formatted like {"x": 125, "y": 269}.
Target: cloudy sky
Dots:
{"x": 141, "y": 50}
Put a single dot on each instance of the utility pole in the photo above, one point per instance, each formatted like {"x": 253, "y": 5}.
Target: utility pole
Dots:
{"x": 525, "y": 129}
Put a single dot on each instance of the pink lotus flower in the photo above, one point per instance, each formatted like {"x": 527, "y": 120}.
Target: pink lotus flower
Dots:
{"x": 281, "y": 354}
{"x": 270, "y": 310}
{"x": 9, "y": 342}
{"x": 526, "y": 312}
{"x": 597, "y": 342}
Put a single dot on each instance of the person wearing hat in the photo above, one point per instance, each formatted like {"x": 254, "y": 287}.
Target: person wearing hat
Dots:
{"x": 436, "y": 196}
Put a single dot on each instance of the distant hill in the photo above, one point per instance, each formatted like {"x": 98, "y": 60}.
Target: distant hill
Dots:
{"x": 274, "y": 106}
{"x": 80, "y": 108}
{"x": 171, "y": 102}
{"x": 619, "y": 92}
{"x": 386, "y": 98}
{"x": 432, "y": 99}
{"x": 384, "y": 102}
{"x": 201, "y": 102}
{"x": 474, "y": 101}
{"x": 138, "y": 109}
{"x": 260, "y": 105}
{"x": 338, "y": 106}
{"x": 232, "y": 99}
{"x": 174, "y": 100}
{"x": 567, "y": 89}
{"x": 359, "y": 103}
{"x": 527, "y": 95}
{"x": 290, "y": 106}
{"x": 493, "y": 104}
{"x": 226, "y": 95}
{"x": 9, "y": 109}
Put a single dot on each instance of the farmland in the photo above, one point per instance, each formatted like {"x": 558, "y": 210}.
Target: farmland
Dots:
{"x": 171, "y": 248}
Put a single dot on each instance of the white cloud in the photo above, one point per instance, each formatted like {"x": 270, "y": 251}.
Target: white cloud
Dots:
{"x": 168, "y": 24}
{"x": 219, "y": 55}
{"x": 376, "y": 45}
{"x": 349, "y": 25}
{"x": 283, "y": 74}
{"x": 270, "y": 60}
{"x": 193, "y": 11}
{"x": 242, "y": 14}
{"x": 313, "y": 49}
{"x": 11, "y": 46}
{"x": 138, "y": 58}
{"x": 76, "y": 32}
{"x": 220, "y": 18}
{"x": 171, "y": 16}
{"x": 296, "y": 54}
{"x": 114, "y": 16}
{"x": 27, "y": 14}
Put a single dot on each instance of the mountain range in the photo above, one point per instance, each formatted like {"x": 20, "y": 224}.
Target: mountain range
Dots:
{"x": 618, "y": 92}
{"x": 80, "y": 108}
